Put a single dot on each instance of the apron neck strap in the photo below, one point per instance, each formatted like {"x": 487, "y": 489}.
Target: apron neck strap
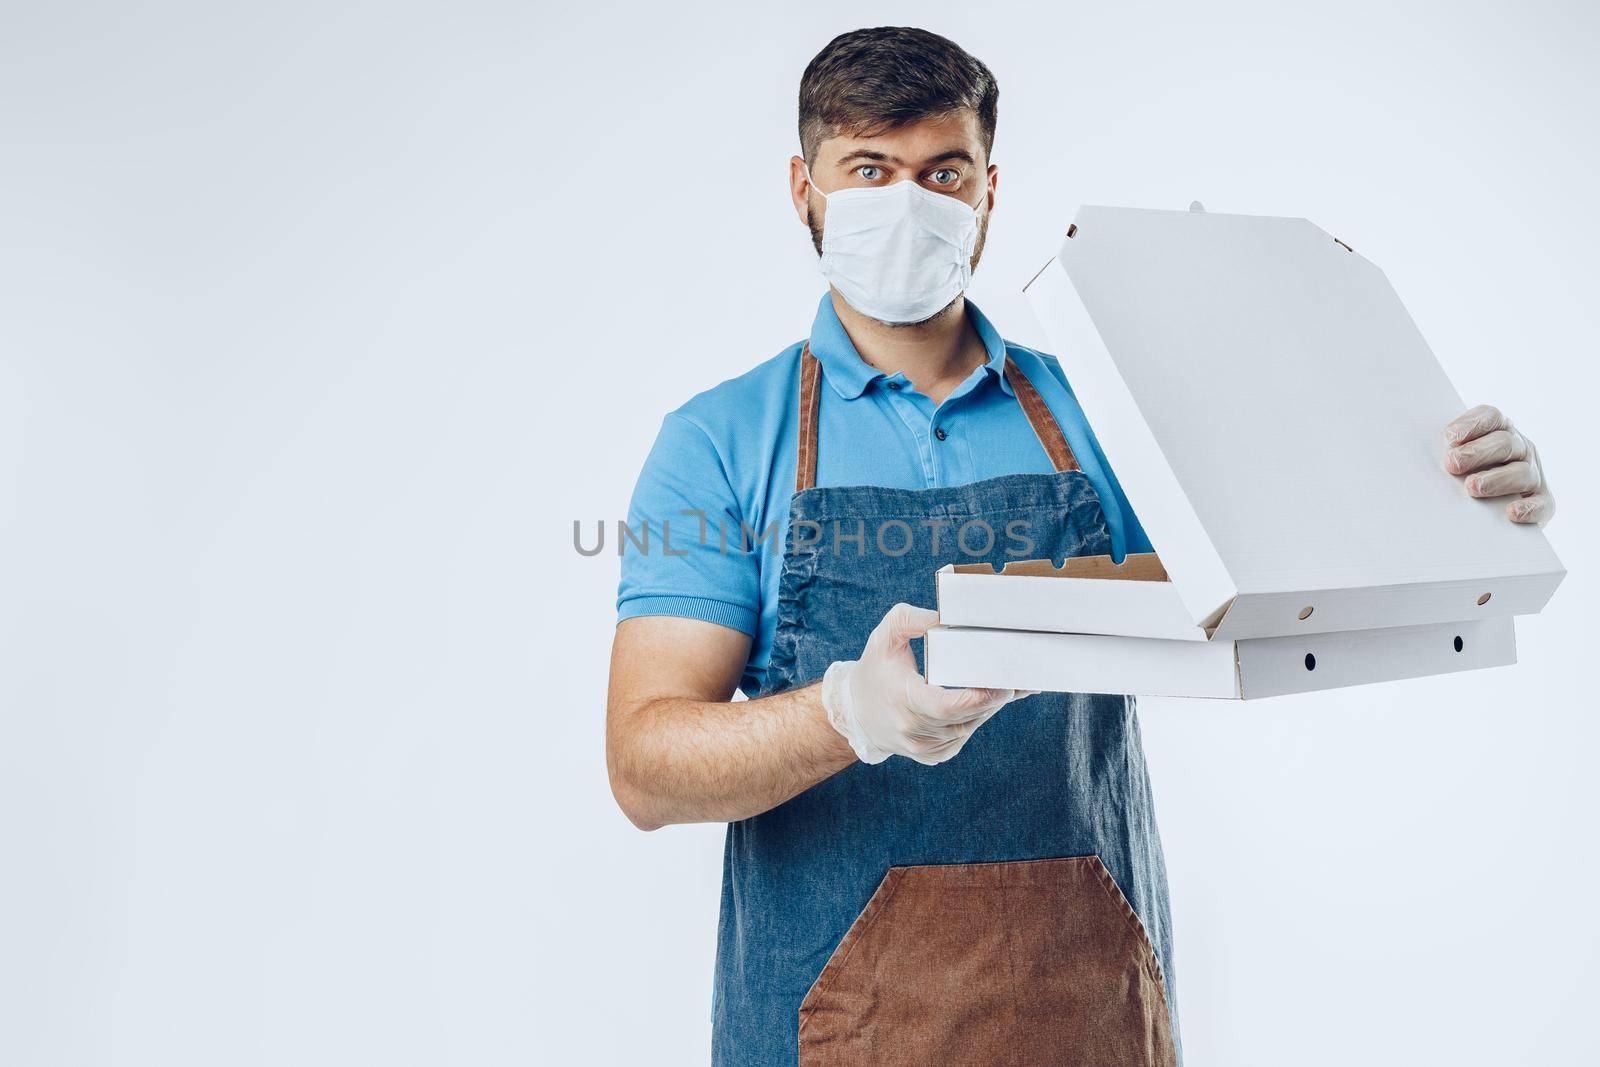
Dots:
{"x": 805, "y": 475}
{"x": 1045, "y": 426}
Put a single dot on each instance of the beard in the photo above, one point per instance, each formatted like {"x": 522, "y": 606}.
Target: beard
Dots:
{"x": 977, "y": 253}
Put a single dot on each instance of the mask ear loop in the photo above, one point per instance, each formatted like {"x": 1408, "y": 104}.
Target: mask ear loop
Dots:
{"x": 813, "y": 182}
{"x": 977, "y": 209}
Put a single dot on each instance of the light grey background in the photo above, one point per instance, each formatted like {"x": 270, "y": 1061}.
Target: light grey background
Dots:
{"x": 321, "y": 323}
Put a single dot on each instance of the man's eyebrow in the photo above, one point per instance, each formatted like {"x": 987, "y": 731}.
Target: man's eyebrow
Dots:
{"x": 867, "y": 154}
{"x": 871, "y": 156}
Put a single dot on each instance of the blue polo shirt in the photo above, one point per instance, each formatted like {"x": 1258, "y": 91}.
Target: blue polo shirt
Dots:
{"x": 707, "y": 521}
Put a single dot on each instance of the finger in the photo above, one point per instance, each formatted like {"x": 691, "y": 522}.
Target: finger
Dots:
{"x": 943, "y": 705}
{"x": 1490, "y": 450}
{"x": 956, "y": 705}
{"x": 925, "y": 734}
{"x": 1535, "y": 509}
{"x": 900, "y": 625}
{"x": 940, "y": 751}
{"x": 1474, "y": 422}
{"x": 1519, "y": 477}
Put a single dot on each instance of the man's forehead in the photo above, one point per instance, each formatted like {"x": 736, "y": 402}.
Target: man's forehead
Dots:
{"x": 942, "y": 137}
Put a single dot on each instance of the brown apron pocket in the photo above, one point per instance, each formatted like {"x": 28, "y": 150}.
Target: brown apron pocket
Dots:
{"x": 1025, "y": 962}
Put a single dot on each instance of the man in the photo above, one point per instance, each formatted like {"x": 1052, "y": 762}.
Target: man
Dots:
{"x": 883, "y": 900}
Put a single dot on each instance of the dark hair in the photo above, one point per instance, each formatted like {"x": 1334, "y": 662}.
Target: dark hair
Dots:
{"x": 868, "y": 81}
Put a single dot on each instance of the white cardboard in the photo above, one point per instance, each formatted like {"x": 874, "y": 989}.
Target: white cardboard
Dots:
{"x": 1097, "y": 605}
{"x": 1275, "y": 418}
{"x": 1123, "y": 605}
{"x": 1249, "y": 669}
{"x": 1130, "y": 608}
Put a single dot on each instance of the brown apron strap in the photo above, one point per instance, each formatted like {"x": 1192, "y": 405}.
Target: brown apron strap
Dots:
{"x": 805, "y": 475}
{"x": 1045, "y": 426}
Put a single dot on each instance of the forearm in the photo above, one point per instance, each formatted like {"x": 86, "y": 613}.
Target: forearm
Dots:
{"x": 676, "y": 760}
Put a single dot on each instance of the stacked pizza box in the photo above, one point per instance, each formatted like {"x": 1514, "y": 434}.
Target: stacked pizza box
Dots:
{"x": 1276, "y": 420}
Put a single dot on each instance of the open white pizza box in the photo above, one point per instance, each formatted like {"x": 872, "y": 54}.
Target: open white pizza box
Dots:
{"x": 1276, "y": 420}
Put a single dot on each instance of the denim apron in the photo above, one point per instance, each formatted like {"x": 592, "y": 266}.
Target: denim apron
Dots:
{"x": 1008, "y": 906}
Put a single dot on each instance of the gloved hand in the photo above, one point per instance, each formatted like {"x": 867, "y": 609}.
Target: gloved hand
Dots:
{"x": 1497, "y": 460}
{"x": 883, "y": 707}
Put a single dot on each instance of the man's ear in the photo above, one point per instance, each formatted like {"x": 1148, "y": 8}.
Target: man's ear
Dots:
{"x": 799, "y": 187}
{"x": 994, "y": 184}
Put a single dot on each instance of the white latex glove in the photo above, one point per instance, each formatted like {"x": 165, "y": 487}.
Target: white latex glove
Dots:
{"x": 883, "y": 707}
{"x": 1497, "y": 460}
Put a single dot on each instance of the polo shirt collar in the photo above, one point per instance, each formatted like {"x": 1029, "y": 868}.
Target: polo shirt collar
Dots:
{"x": 850, "y": 375}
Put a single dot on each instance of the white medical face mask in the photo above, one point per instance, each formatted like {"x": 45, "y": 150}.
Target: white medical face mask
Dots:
{"x": 898, "y": 253}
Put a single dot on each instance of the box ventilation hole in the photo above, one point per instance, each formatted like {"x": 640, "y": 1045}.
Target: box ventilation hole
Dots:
{"x": 1459, "y": 642}
{"x": 1484, "y": 599}
{"x": 1305, "y": 612}
{"x": 1311, "y": 662}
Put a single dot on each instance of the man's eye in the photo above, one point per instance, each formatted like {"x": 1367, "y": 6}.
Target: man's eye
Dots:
{"x": 870, "y": 173}
{"x": 943, "y": 176}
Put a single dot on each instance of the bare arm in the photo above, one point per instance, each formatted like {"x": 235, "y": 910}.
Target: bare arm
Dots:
{"x": 678, "y": 750}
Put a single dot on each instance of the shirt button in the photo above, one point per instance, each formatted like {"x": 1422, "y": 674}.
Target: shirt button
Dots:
{"x": 895, "y": 386}
{"x": 940, "y": 434}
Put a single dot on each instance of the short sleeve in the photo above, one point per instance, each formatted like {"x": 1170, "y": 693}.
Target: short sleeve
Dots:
{"x": 681, "y": 548}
